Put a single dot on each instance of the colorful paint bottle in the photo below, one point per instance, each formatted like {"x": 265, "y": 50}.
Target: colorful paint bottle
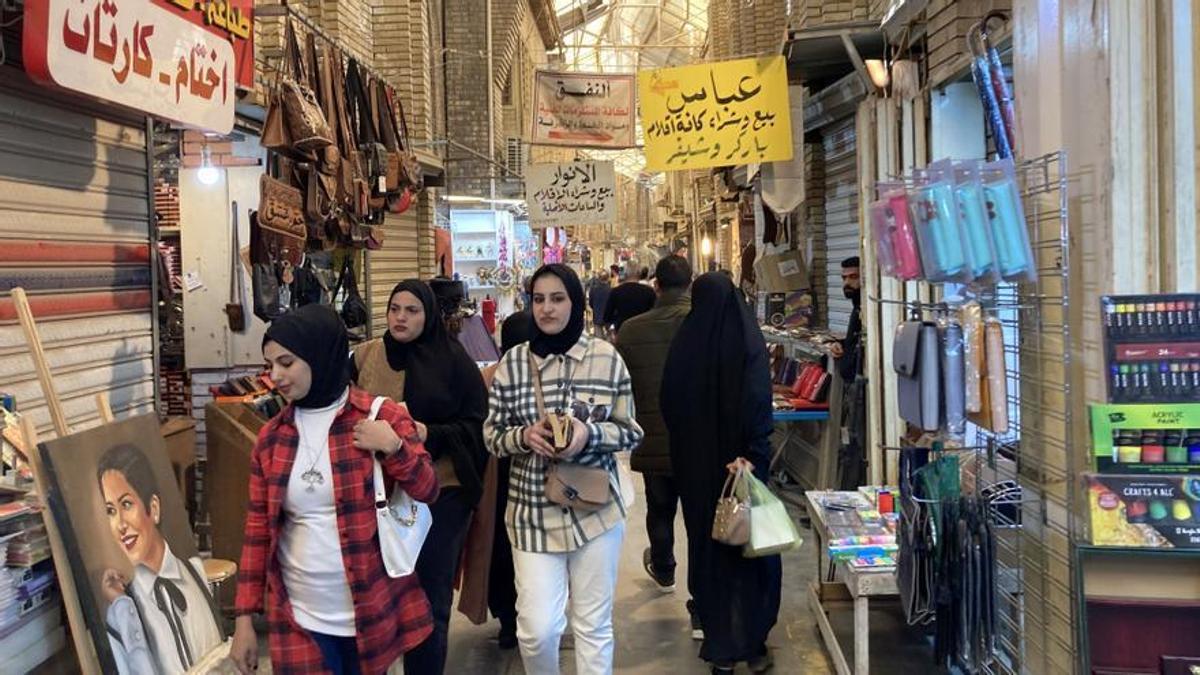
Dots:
{"x": 1136, "y": 511}
{"x": 1193, "y": 446}
{"x": 1129, "y": 447}
{"x": 1158, "y": 510}
{"x": 1176, "y": 450}
{"x": 1180, "y": 510}
{"x": 1153, "y": 451}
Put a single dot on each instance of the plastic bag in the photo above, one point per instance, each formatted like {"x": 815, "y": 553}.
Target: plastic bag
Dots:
{"x": 771, "y": 528}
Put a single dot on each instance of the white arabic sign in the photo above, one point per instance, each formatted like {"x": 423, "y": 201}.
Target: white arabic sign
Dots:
{"x": 584, "y": 110}
{"x": 136, "y": 54}
{"x": 578, "y": 193}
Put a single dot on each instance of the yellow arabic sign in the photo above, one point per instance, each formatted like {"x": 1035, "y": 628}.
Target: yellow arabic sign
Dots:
{"x": 716, "y": 114}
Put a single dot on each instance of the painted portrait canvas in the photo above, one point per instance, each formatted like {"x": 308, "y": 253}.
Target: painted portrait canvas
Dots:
{"x": 139, "y": 578}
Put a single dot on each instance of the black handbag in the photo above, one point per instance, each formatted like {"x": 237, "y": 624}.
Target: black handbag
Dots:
{"x": 355, "y": 312}
{"x": 264, "y": 284}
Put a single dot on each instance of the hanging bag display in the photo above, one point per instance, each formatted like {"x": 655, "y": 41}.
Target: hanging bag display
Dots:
{"x": 569, "y": 484}
{"x": 731, "y": 523}
{"x": 306, "y": 124}
{"x": 403, "y": 522}
{"x": 954, "y": 410}
{"x": 234, "y": 310}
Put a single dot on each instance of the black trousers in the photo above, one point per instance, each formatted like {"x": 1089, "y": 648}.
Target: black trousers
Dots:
{"x": 436, "y": 567}
{"x": 502, "y": 578}
{"x": 662, "y": 500}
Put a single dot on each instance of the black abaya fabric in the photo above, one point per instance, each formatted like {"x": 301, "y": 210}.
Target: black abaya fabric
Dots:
{"x": 542, "y": 344}
{"x": 443, "y": 390}
{"x": 716, "y": 402}
{"x": 315, "y": 334}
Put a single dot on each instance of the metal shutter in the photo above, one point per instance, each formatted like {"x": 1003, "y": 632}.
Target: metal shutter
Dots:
{"x": 74, "y": 231}
{"x": 842, "y": 234}
{"x": 393, "y": 263}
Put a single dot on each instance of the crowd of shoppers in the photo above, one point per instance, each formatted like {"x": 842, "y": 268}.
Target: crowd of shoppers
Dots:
{"x": 683, "y": 385}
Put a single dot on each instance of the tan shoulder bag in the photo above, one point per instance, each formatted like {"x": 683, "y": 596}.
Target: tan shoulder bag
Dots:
{"x": 568, "y": 484}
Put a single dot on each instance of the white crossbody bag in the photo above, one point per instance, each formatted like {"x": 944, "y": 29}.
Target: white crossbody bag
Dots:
{"x": 403, "y": 522}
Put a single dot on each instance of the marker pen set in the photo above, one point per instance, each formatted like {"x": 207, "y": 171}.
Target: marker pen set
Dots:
{"x": 1152, "y": 347}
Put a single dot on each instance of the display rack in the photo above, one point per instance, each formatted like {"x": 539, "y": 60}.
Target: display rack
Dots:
{"x": 1036, "y": 604}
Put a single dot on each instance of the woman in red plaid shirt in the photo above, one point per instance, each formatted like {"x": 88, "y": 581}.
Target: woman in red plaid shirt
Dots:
{"x": 311, "y": 553}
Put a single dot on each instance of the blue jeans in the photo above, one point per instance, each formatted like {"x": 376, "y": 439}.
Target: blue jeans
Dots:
{"x": 340, "y": 653}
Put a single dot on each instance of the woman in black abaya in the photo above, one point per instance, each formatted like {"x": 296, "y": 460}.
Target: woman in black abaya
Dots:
{"x": 417, "y": 362}
{"x": 716, "y": 401}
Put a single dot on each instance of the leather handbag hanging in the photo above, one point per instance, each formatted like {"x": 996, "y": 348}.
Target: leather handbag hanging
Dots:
{"x": 354, "y": 309}
{"x": 569, "y": 484}
{"x": 306, "y": 123}
{"x": 234, "y": 309}
{"x": 281, "y": 209}
{"x": 372, "y": 153}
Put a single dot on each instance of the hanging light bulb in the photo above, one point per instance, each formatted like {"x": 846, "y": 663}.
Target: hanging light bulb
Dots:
{"x": 208, "y": 174}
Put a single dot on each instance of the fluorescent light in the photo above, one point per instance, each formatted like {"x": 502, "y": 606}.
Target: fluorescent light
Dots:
{"x": 464, "y": 199}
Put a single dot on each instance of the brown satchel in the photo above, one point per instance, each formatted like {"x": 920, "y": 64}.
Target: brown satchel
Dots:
{"x": 306, "y": 124}
{"x": 577, "y": 486}
{"x": 281, "y": 208}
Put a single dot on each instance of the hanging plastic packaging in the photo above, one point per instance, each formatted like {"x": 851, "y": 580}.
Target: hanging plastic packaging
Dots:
{"x": 953, "y": 386}
{"x": 892, "y": 231}
{"x": 944, "y": 254}
{"x": 972, "y": 217}
{"x": 973, "y": 353}
{"x": 1007, "y": 220}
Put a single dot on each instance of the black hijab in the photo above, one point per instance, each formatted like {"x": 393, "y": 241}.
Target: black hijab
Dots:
{"x": 443, "y": 390}
{"x": 703, "y": 375}
{"x": 428, "y": 362}
{"x": 316, "y": 334}
{"x": 543, "y": 345}
{"x": 716, "y": 402}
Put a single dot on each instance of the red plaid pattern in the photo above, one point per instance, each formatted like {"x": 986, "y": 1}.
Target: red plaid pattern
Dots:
{"x": 392, "y": 615}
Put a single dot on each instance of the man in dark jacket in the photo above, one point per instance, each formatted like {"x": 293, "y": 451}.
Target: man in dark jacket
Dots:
{"x": 598, "y": 294}
{"x": 628, "y": 300}
{"x": 643, "y": 343}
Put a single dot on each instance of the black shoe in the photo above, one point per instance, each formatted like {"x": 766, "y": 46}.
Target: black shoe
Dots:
{"x": 508, "y": 635}
{"x": 666, "y": 582}
{"x": 697, "y": 629}
{"x": 721, "y": 669}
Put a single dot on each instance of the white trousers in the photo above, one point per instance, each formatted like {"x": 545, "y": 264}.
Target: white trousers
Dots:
{"x": 544, "y": 580}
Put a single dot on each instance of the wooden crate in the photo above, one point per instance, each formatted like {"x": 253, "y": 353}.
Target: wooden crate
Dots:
{"x": 231, "y": 429}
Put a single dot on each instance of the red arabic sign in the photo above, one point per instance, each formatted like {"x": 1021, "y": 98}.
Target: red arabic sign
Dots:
{"x": 135, "y": 54}
{"x": 230, "y": 19}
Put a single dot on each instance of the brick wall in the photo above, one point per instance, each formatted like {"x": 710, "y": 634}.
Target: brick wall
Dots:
{"x": 739, "y": 29}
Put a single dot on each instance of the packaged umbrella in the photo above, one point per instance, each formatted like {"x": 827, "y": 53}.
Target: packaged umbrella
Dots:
{"x": 944, "y": 253}
{"x": 972, "y": 216}
{"x": 1006, "y": 217}
{"x": 892, "y": 231}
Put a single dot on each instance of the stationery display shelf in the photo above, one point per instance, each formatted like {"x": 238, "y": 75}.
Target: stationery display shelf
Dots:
{"x": 806, "y": 442}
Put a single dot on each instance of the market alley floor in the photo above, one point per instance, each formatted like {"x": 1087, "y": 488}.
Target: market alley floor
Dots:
{"x": 653, "y": 635}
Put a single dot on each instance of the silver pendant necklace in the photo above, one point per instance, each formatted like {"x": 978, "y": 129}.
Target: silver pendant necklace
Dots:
{"x": 312, "y": 476}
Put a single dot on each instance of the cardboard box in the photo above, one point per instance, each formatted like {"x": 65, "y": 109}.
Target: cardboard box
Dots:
{"x": 782, "y": 272}
{"x": 1146, "y": 438}
{"x": 1144, "y": 511}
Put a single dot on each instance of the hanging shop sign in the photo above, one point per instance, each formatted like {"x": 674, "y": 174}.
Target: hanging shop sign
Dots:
{"x": 230, "y": 19}
{"x": 583, "y": 110}
{"x": 135, "y": 54}
{"x": 716, "y": 114}
{"x": 577, "y": 193}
